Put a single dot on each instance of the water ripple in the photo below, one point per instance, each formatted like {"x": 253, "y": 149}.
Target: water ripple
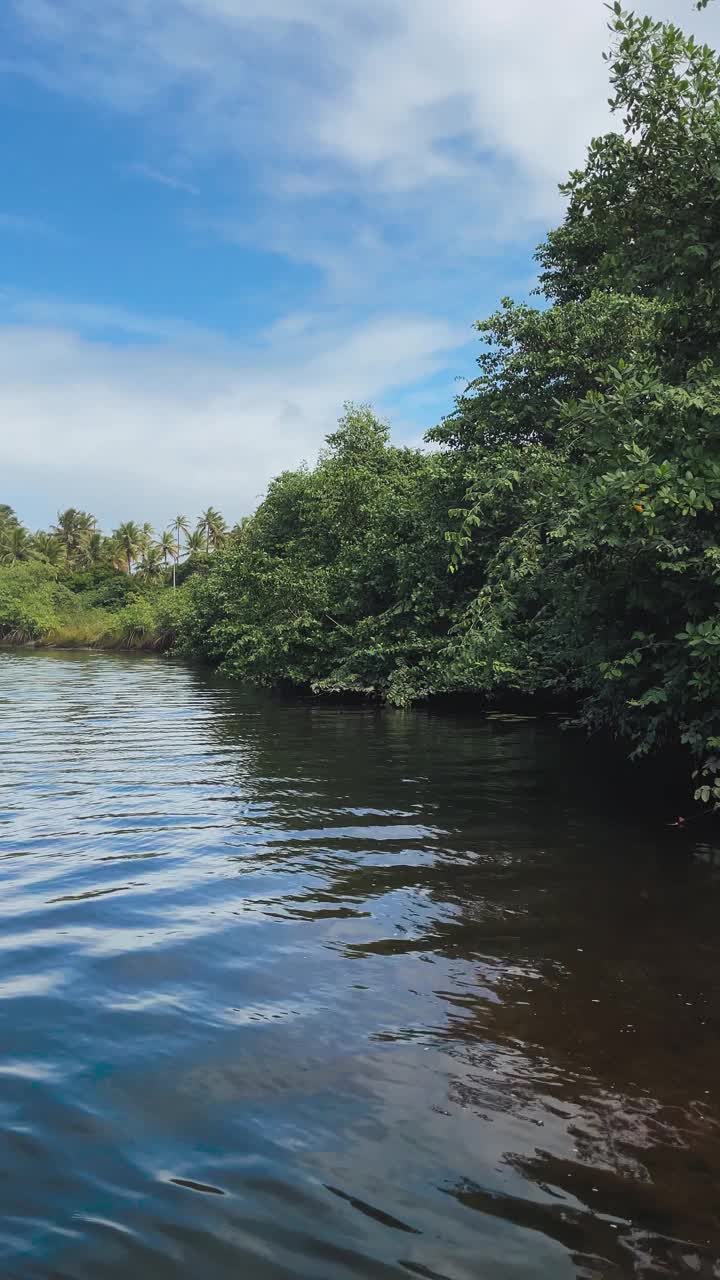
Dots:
{"x": 288, "y": 989}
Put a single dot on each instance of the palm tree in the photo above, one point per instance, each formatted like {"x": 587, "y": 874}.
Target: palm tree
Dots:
{"x": 180, "y": 524}
{"x": 15, "y": 544}
{"x": 195, "y": 543}
{"x": 74, "y": 529}
{"x": 151, "y": 565}
{"x": 239, "y": 530}
{"x": 213, "y": 526}
{"x": 147, "y": 535}
{"x": 128, "y": 539}
{"x": 7, "y": 517}
{"x": 219, "y": 533}
{"x": 96, "y": 547}
{"x": 166, "y": 547}
{"x": 48, "y": 546}
{"x": 203, "y": 527}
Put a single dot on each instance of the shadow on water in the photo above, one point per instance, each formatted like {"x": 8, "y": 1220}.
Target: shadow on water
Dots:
{"x": 289, "y": 989}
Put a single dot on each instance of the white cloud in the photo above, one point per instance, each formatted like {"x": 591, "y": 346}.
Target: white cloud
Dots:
{"x": 164, "y": 179}
{"x": 398, "y": 92}
{"x": 138, "y": 430}
{"x": 95, "y": 320}
{"x": 454, "y": 121}
{"x": 383, "y": 91}
{"x": 390, "y": 144}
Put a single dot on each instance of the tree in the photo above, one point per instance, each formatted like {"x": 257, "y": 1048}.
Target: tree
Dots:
{"x": 96, "y": 547}
{"x": 128, "y": 540}
{"x": 180, "y": 525}
{"x": 9, "y": 524}
{"x": 74, "y": 529}
{"x": 147, "y": 536}
{"x": 580, "y": 470}
{"x": 166, "y": 547}
{"x": 48, "y": 547}
{"x": 643, "y": 212}
{"x": 213, "y": 527}
{"x": 339, "y": 580}
{"x": 151, "y": 566}
{"x": 195, "y": 543}
{"x": 15, "y": 544}
{"x": 591, "y": 440}
{"x": 168, "y": 550}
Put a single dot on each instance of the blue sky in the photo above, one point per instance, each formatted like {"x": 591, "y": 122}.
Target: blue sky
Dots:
{"x": 220, "y": 219}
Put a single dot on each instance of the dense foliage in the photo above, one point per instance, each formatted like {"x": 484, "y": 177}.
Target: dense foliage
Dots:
{"x": 563, "y": 538}
{"x": 560, "y": 537}
{"x": 72, "y": 585}
{"x": 340, "y": 580}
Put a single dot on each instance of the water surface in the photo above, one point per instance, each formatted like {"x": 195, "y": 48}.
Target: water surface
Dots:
{"x": 296, "y": 990}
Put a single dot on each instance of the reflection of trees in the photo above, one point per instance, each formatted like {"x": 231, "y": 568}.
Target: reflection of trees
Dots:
{"x": 602, "y": 1042}
{"x": 580, "y": 964}
{"x": 590, "y": 1240}
{"x": 665, "y": 1224}
{"x": 386, "y": 761}
{"x": 645, "y": 1240}
{"x": 385, "y": 801}
{"x": 608, "y": 1058}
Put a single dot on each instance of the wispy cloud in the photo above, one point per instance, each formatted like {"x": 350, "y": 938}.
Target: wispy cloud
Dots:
{"x": 392, "y": 146}
{"x": 142, "y": 429}
{"x": 351, "y": 125}
{"x": 402, "y": 95}
{"x": 24, "y": 225}
{"x": 348, "y": 262}
{"x": 163, "y": 179}
{"x": 346, "y": 94}
{"x": 348, "y": 119}
{"x": 98, "y": 321}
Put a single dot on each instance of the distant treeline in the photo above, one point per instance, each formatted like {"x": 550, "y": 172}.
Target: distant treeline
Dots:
{"x": 561, "y": 536}
{"x": 71, "y": 584}
{"x": 75, "y": 543}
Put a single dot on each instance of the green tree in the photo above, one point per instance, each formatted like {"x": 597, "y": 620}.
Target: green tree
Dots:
{"x": 128, "y": 540}
{"x": 195, "y": 543}
{"x": 340, "y": 579}
{"x": 7, "y": 516}
{"x": 166, "y": 547}
{"x": 15, "y": 544}
{"x": 591, "y": 441}
{"x": 48, "y": 547}
{"x": 147, "y": 536}
{"x": 96, "y": 547}
{"x": 74, "y": 530}
{"x": 169, "y": 552}
{"x": 151, "y": 566}
{"x": 213, "y": 528}
{"x": 180, "y": 525}
{"x": 642, "y": 213}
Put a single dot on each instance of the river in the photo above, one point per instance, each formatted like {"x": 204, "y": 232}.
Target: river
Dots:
{"x": 298, "y": 990}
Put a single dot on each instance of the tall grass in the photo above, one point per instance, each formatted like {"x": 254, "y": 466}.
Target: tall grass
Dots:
{"x": 36, "y": 610}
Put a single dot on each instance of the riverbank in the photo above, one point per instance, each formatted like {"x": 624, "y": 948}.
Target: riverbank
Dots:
{"x": 97, "y": 635}
{"x": 109, "y": 635}
{"x": 97, "y": 610}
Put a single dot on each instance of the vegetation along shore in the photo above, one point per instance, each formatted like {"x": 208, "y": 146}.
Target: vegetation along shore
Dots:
{"x": 560, "y": 537}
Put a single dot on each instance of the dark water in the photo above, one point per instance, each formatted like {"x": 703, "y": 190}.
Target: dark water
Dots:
{"x": 293, "y": 990}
